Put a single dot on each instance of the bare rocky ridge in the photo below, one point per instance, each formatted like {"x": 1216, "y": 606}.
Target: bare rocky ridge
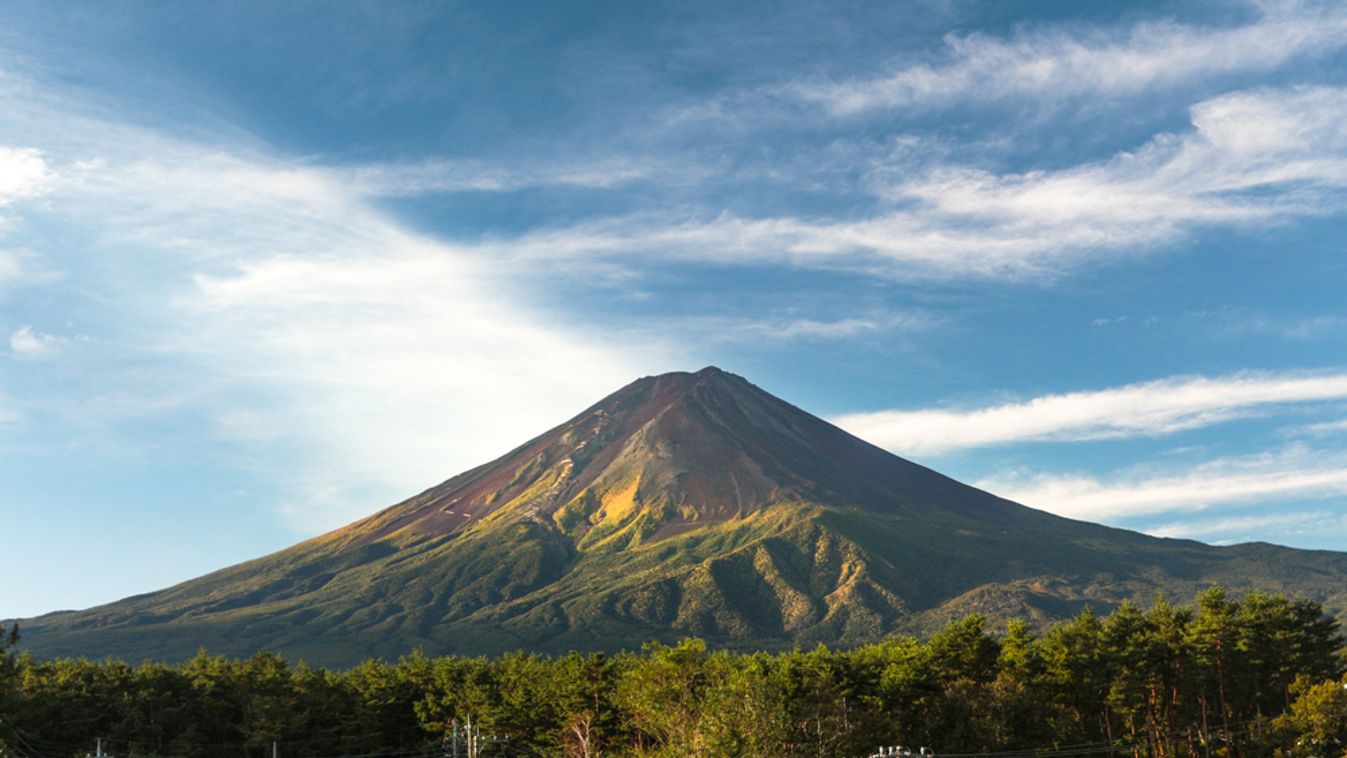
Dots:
{"x": 682, "y": 504}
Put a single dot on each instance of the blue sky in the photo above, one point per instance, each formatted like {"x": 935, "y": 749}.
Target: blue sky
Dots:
{"x": 266, "y": 268}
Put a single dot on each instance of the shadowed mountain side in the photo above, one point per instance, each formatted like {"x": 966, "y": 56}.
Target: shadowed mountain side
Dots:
{"x": 683, "y": 504}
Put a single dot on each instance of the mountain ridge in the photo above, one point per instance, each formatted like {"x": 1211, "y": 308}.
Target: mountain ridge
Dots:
{"x": 682, "y": 504}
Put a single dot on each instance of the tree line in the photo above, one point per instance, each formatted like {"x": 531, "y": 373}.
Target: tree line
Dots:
{"x": 1261, "y": 675}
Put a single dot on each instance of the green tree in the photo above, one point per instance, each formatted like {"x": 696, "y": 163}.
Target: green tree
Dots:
{"x": 1079, "y": 674}
{"x": 1018, "y": 709}
{"x": 1316, "y": 723}
{"x": 9, "y": 675}
{"x": 1214, "y": 637}
{"x": 662, "y": 693}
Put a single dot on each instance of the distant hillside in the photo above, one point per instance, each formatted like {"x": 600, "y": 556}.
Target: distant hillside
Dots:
{"x": 683, "y": 504}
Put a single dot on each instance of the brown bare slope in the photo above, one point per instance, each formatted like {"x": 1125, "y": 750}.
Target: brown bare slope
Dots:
{"x": 681, "y": 504}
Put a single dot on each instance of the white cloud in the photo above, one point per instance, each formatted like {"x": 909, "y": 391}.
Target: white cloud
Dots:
{"x": 1252, "y": 157}
{"x": 1297, "y": 472}
{"x": 400, "y": 179}
{"x": 346, "y": 358}
{"x": 788, "y": 328}
{"x": 1146, "y": 409}
{"x": 1239, "y": 321}
{"x": 28, "y": 344}
{"x": 1256, "y": 157}
{"x": 403, "y": 367}
{"x": 1324, "y": 429}
{"x": 387, "y": 358}
{"x": 23, "y": 174}
{"x": 1060, "y": 64}
{"x": 1245, "y": 528}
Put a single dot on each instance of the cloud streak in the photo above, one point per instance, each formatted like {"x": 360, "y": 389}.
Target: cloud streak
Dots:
{"x": 1062, "y": 64}
{"x": 410, "y": 179}
{"x": 1246, "y": 527}
{"x": 1252, "y": 157}
{"x": 1147, "y": 409}
{"x": 1322, "y": 429}
{"x": 787, "y": 328}
{"x": 1297, "y": 472}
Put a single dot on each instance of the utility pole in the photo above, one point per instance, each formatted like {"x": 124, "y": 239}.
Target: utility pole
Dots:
{"x": 471, "y": 737}
{"x": 275, "y": 752}
{"x": 898, "y": 751}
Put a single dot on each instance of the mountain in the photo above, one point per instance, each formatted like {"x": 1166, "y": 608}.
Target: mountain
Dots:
{"x": 683, "y": 504}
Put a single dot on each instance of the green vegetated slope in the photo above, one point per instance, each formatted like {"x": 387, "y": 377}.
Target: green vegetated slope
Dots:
{"x": 685, "y": 504}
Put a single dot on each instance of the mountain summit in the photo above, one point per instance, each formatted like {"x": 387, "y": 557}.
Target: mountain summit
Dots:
{"x": 673, "y": 452}
{"x": 682, "y": 504}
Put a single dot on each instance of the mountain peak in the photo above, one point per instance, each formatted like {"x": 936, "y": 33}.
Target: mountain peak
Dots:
{"x": 684, "y": 503}
{"x": 684, "y": 381}
{"x": 713, "y": 373}
{"x": 670, "y": 452}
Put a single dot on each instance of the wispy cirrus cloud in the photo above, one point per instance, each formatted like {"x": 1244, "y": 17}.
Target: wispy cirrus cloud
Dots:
{"x": 344, "y": 357}
{"x": 403, "y": 366}
{"x": 1253, "y": 157}
{"x": 1059, "y": 64}
{"x": 407, "y": 179}
{"x": 1152, "y": 408}
{"x": 1297, "y": 472}
{"x": 1322, "y": 429}
{"x": 1242, "y": 322}
{"x": 1246, "y": 528}
{"x": 793, "y": 328}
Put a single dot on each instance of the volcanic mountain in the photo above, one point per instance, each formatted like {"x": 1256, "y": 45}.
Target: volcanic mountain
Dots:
{"x": 683, "y": 504}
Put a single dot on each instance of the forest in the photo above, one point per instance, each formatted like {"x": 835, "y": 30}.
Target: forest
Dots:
{"x": 1259, "y": 675}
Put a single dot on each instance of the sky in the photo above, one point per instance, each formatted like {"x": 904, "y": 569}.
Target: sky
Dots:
{"x": 266, "y": 268}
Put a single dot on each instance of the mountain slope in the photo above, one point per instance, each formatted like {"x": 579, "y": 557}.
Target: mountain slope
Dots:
{"x": 683, "y": 504}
